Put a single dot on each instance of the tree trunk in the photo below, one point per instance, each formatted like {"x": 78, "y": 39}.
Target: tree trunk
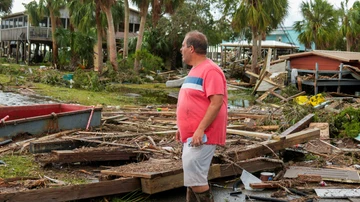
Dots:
{"x": 98, "y": 63}
{"x": 156, "y": 10}
{"x": 54, "y": 43}
{"x": 254, "y": 56}
{"x": 143, "y": 13}
{"x": 111, "y": 37}
{"x": 126, "y": 29}
{"x": 348, "y": 44}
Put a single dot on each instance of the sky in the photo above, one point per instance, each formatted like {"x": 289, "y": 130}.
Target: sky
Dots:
{"x": 294, "y": 11}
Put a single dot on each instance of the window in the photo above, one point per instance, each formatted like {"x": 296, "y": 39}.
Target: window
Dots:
{"x": 15, "y": 22}
{"x": 43, "y": 23}
{"x": 11, "y": 23}
{"x": 25, "y": 21}
{"x": 20, "y": 22}
{"x": 6, "y": 24}
{"x": 63, "y": 22}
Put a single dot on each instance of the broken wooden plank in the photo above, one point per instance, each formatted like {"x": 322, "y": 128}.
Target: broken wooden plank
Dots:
{"x": 302, "y": 124}
{"x": 278, "y": 95}
{"x": 265, "y": 79}
{"x": 273, "y": 145}
{"x": 159, "y": 184}
{"x": 265, "y": 185}
{"x": 326, "y": 174}
{"x": 309, "y": 178}
{"x": 248, "y": 133}
{"x": 264, "y": 95}
{"x": 263, "y": 71}
{"x": 88, "y": 155}
{"x": 74, "y": 192}
{"x": 48, "y": 146}
{"x": 324, "y": 129}
{"x": 294, "y": 96}
{"x": 169, "y": 167}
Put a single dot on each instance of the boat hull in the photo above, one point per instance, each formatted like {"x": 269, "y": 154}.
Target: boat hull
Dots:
{"x": 47, "y": 118}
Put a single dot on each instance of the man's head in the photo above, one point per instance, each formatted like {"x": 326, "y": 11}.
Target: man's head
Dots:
{"x": 195, "y": 43}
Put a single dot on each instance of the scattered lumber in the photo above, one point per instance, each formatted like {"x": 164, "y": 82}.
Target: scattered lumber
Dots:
{"x": 265, "y": 79}
{"x": 273, "y": 145}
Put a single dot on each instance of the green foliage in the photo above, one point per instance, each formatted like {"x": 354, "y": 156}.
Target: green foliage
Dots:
{"x": 294, "y": 112}
{"x": 149, "y": 61}
{"x": 348, "y": 123}
{"x": 88, "y": 80}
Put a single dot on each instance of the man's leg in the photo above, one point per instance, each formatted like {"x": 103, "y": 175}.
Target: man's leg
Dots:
{"x": 190, "y": 195}
{"x": 196, "y": 164}
{"x": 204, "y": 196}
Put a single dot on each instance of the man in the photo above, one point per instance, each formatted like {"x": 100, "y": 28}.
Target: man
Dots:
{"x": 201, "y": 111}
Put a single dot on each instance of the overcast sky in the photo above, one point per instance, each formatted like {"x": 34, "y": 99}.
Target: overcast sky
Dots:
{"x": 294, "y": 12}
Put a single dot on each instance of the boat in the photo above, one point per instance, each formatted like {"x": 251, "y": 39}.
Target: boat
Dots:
{"x": 46, "y": 118}
{"x": 176, "y": 83}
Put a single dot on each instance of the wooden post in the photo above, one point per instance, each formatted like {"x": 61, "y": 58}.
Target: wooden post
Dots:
{"x": 340, "y": 77}
{"x": 17, "y": 51}
{"x": 225, "y": 58}
{"x": 316, "y": 78}
{"x": 221, "y": 56}
{"x": 29, "y": 52}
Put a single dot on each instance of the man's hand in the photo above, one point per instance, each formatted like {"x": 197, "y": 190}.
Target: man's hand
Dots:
{"x": 197, "y": 138}
{"x": 177, "y": 136}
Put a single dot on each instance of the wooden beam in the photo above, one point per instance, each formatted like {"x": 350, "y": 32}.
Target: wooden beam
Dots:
{"x": 302, "y": 124}
{"x": 294, "y": 96}
{"x": 48, "y": 146}
{"x": 159, "y": 184}
{"x": 74, "y": 192}
{"x": 260, "y": 150}
{"x": 248, "y": 133}
{"x": 277, "y": 95}
{"x": 95, "y": 154}
{"x": 265, "y": 79}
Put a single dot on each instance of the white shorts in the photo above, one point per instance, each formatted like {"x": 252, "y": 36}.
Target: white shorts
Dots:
{"x": 196, "y": 164}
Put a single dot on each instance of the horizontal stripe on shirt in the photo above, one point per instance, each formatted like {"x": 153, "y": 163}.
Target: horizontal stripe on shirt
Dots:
{"x": 195, "y": 83}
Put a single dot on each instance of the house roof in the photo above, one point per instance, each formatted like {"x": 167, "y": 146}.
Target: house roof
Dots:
{"x": 13, "y": 15}
{"x": 343, "y": 56}
{"x": 264, "y": 44}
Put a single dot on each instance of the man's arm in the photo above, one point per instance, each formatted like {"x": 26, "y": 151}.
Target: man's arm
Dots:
{"x": 212, "y": 111}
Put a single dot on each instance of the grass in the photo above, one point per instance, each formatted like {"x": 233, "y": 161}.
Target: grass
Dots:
{"x": 19, "y": 166}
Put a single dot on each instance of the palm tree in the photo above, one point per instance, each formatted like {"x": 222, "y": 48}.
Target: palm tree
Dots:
{"x": 144, "y": 6}
{"x": 5, "y": 6}
{"x": 350, "y": 19}
{"x": 319, "y": 25}
{"x": 258, "y": 15}
{"x": 126, "y": 29}
{"x": 157, "y": 9}
{"x": 105, "y": 6}
{"x": 53, "y": 7}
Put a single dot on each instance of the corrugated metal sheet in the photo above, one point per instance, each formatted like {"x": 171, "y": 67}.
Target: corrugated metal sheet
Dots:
{"x": 326, "y": 174}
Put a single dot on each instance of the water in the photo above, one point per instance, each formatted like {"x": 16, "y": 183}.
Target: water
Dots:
{"x": 238, "y": 103}
{"x": 14, "y": 99}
